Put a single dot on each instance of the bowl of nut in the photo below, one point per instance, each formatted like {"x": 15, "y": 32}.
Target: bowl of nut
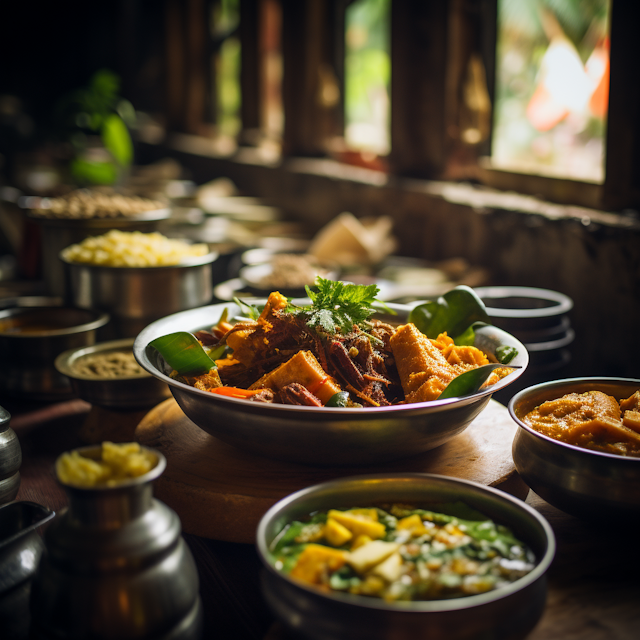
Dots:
{"x": 106, "y": 374}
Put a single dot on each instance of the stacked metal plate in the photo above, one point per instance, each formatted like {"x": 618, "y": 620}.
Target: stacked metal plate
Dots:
{"x": 539, "y": 318}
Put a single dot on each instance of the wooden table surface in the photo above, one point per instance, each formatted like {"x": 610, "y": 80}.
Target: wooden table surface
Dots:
{"x": 594, "y": 591}
{"x": 222, "y": 492}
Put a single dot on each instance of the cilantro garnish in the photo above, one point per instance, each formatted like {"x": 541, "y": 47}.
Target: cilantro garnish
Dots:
{"x": 337, "y": 306}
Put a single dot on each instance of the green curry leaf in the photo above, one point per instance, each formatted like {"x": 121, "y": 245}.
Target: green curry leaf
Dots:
{"x": 469, "y": 381}
{"x": 183, "y": 353}
{"x": 453, "y": 312}
{"x": 505, "y": 353}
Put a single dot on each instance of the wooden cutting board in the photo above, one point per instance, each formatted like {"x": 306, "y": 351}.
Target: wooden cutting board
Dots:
{"x": 221, "y": 492}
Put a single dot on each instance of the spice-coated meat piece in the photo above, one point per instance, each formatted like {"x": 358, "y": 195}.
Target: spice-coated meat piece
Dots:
{"x": 297, "y": 394}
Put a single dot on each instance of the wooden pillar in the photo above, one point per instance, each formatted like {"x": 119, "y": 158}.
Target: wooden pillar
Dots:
{"x": 187, "y": 84}
{"x": 311, "y": 93}
{"x": 418, "y": 84}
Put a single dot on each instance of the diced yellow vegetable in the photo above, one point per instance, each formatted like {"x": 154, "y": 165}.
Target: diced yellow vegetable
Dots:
{"x": 360, "y": 541}
{"x": 369, "y": 513}
{"x": 390, "y": 569}
{"x": 317, "y": 560}
{"x": 414, "y": 524}
{"x": 358, "y": 524}
{"x": 371, "y": 554}
{"x": 336, "y": 533}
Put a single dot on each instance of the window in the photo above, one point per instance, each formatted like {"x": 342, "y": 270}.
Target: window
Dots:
{"x": 367, "y": 75}
{"x": 552, "y": 88}
{"x": 452, "y": 90}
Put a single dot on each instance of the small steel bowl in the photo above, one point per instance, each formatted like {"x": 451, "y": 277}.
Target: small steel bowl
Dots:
{"x": 510, "y": 612}
{"x": 321, "y": 435}
{"x": 581, "y": 482}
{"x": 30, "y": 340}
{"x": 136, "y": 296}
{"x": 122, "y": 392}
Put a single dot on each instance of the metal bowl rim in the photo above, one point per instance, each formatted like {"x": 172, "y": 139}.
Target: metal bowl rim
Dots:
{"x": 518, "y": 397}
{"x": 424, "y": 606}
{"x": 96, "y": 222}
{"x": 45, "y": 514}
{"x": 192, "y": 261}
{"x": 150, "y": 476}
{"x": 142, "y": 341}
{"x": 101, "y": 318}
{"x": 65, "y": 361}
{"x": 564, "y": 303}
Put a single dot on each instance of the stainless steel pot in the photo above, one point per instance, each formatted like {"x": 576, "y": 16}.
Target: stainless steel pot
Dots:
{"x": 136, "y": 296}
{"x": 59, "y": 233}
{"x": 116, "y": 566}
{"x": 30, "y": 340}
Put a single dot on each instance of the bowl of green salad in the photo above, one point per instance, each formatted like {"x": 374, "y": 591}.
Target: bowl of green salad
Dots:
{"x": 404, "y": 556}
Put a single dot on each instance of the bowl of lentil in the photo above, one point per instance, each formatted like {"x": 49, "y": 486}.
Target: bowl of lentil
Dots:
{"x": 106, "y": 374}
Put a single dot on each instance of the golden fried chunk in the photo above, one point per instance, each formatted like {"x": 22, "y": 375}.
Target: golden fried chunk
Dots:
{"x": 632, "y": 403}
{"x": 205, "y": 381}
{"x": 250, "y": 341}
{"x": 631, "y": 420}
{"x": 463, "y": 356}
{"x": 304, "y": 369}
{"x": 631, "y": 412}
{"x": 424, "y": 371}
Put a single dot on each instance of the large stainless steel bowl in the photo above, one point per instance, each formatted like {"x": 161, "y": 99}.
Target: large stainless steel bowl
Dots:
{"x": 136, "y": 296}
{"x": 321, "y": 435}
{"x": 122, "y": 392}
{"x": 507, "y": 613}
{"x": 582, "y": 482}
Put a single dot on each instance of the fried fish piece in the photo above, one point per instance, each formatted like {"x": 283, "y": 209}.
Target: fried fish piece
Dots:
{"x": 423, "y": 369}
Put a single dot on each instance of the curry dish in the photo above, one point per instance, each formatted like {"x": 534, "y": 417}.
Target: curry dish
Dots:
{"x": 593, "y": 420}
{"x": 281, "y": 357}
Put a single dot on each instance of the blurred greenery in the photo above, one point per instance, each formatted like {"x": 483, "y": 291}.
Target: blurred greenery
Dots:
{"x": 576, "y": 17}
{"x": 229, "y": 96}
{"x": 225, "y": 21}
{"x": 97, "y": 110}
